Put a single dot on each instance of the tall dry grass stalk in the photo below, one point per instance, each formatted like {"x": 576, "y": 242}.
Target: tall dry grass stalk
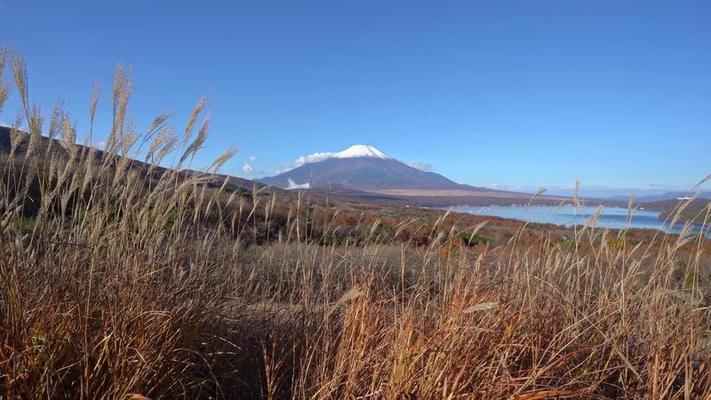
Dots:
{"x": 122, "y": 279}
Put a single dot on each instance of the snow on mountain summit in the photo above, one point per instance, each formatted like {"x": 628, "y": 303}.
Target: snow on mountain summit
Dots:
{"x": 360, "y": 150}
{"x": 355, "y": 151}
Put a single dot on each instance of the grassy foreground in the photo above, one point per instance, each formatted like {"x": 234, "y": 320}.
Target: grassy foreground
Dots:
{"x": 121, "y": 280}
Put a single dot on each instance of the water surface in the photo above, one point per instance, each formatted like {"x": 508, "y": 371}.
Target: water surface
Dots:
{"x": 568, "y": 215}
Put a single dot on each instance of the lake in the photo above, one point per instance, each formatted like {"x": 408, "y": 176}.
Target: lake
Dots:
{"x": 612, "y": 217}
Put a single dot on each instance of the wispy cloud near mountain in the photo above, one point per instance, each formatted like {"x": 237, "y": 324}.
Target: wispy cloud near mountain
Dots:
{"x": 420, "y": 165}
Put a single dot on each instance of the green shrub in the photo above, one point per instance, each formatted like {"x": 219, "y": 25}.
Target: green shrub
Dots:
{"x": 470, "y": 238}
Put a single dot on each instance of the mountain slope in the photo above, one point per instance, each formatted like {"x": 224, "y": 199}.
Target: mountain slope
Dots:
{"x": 55, "y": 148}
{"x": 362, "y": 173}
{"x": 361, "y": 167}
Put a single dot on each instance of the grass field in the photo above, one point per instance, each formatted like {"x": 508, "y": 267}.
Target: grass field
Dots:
{"x": 126, "y": 280}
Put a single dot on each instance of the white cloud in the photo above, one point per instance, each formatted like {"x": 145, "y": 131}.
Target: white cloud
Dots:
{"x": 248, "y": 166}
{"x": 420, "y": 165}
{"x": 293, "y": 185}
{"x": 311, "y": 158}
{"x": 281, "y": 168}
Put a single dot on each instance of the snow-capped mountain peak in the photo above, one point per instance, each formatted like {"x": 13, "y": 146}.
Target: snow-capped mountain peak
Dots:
{"x": 360, "y": 150}
{"x": 360, "y": 167}
{"x": 355, "y": 151}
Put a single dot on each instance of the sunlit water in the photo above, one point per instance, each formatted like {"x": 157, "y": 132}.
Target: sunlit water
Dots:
{"x": 611, "y": 217}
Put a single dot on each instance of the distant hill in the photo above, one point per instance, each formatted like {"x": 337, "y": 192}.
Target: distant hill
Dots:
{"x": 688, "y": 210}
{"x": 672, "y": 196}
{"x": 57, "y": 149}
{"x": 640, "y": 195}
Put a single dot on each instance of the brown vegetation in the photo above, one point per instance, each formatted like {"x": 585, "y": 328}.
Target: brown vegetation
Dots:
{"x": 118, "y": 282}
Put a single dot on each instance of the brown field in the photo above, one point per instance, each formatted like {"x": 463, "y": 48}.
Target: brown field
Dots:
{"x": 126, "y": 280}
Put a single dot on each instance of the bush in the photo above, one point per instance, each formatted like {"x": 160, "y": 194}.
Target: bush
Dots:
{"x": 470, "y": 238}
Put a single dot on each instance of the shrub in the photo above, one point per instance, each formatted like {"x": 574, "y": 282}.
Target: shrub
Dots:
{"x": 470, "y": 238}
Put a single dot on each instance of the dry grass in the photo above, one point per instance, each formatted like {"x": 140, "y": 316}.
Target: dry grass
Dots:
{"x": 119, "y": 284}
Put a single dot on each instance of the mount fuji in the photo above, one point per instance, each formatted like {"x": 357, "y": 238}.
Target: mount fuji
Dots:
{"x": 360, "y": 167}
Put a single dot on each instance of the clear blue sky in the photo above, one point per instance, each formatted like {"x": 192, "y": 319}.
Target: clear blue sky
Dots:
{"x": 520, "y": 93}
